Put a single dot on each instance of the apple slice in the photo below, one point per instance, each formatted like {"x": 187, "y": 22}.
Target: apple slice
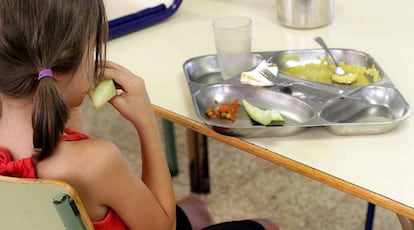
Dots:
{"x": 104, "y": 92}
{"x": 262, "y": 116}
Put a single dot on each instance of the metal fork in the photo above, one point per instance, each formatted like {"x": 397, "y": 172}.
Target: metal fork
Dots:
{"x": 285, "y": 86}
{"x": 266, "y": 73}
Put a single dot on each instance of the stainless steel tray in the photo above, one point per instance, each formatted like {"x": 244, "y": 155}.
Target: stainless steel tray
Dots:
{"x": 344, "y": 110}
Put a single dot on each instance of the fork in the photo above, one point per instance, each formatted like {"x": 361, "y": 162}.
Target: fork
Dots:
{"x": 266, "y": 73}
{"x": 286, "y": 86}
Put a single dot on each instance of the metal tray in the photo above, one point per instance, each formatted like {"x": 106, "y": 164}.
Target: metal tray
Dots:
{"x": 344, "y": 110}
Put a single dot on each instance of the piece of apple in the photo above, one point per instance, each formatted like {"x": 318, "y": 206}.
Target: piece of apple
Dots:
{"x": 262, "y": 116}
{"x": 103, "y": 92}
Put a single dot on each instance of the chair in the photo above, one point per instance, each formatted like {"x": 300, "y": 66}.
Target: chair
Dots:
{"x": 40, "y": 204}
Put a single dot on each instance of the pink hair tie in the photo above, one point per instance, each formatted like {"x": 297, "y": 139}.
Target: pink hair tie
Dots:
{"x": 45, "y": 73}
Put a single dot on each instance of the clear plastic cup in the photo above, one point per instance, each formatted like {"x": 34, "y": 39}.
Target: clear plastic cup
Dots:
{"x": 232, "y": 36}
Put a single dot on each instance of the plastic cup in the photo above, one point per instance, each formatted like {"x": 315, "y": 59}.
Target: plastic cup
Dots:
{"x": 232, "y": 36}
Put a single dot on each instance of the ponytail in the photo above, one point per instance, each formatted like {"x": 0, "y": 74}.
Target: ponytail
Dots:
{"x": 50, "y": 113}
{"x": 52, "y": 34}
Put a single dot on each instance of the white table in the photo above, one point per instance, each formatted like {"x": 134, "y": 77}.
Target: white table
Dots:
{"x": 376, "y": 168}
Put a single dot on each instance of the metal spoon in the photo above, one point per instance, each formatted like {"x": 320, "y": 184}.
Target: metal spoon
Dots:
{"x": 340, "y": 75}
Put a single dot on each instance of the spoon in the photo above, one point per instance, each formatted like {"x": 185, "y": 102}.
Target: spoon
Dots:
{"x": 339, "y": 75}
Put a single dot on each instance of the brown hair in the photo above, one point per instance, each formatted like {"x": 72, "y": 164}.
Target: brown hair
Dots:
{"x": 47, "y": 34}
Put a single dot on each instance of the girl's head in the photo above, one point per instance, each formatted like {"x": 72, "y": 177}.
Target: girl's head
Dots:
{"x": 48, "y": 34}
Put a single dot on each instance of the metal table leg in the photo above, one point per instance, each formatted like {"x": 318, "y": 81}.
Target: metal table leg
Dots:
{"x": 169, "y": 144}
{"x": 406, "y": 223}
{"x": 198, "y": 157}
{"x": 369, "y": 221}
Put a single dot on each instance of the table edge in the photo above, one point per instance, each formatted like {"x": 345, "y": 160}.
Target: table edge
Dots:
{"x": 288, "y": 163}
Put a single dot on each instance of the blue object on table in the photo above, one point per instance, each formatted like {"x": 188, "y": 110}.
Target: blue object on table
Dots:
{"x": 141, "y": 19}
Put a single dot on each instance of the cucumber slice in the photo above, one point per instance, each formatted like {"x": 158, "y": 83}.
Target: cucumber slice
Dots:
{"x": 262, "y": 116}
{"x": 104, "y": 92}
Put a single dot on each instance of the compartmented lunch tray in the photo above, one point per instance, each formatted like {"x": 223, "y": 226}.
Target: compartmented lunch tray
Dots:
{"x": 375, "y": 108}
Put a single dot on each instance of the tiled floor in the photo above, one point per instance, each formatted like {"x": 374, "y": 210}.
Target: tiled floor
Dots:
{"x": 244, "y": 186}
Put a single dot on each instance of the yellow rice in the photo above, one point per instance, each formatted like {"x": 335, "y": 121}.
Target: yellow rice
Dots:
{"x": 322, "y": 72}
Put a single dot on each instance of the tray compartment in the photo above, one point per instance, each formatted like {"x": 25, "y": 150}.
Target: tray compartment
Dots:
{"x": 372, "y": 109}
{"x": 206, "y": 70}
{"x": 294, "y": 111}
{"x": 295, "y": 58}
{"x": 203, "y": 70}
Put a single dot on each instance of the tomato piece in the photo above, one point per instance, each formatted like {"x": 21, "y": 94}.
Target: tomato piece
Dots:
{"x": 224, "y": 111}
{"x": 235, "y": 104}
{"x": 224, "y": 108}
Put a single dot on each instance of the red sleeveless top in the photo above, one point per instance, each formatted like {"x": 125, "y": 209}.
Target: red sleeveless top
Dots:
{"x": 26, "y": 168}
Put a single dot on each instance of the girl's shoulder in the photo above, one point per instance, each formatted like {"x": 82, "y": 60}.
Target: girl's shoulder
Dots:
{"x": 80, "y": 161}
{"x": 91, "y": 166}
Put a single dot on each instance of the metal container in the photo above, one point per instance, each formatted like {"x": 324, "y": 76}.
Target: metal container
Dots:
{"x": 305, "y": 14}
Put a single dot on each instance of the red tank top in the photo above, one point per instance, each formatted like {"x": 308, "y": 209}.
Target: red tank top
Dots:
{"x": 26, "y": 168}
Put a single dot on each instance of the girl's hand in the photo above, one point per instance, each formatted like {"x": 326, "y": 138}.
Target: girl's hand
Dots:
{"x": 133, "y": 103}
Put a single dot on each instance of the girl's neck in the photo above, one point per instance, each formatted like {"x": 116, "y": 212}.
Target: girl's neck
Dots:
{"x": 16, "y": 132}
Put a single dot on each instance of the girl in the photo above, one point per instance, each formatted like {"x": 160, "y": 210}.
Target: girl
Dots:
{"x": 50, "y": 51}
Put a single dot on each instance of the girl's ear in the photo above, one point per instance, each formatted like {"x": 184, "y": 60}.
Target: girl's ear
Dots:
{"x": 61, "y": 79}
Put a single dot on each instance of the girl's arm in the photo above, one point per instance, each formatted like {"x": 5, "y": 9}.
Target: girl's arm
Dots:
{"x": 135, "y": 106}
